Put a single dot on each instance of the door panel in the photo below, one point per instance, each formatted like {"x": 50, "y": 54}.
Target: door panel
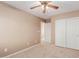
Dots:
{"x": 47, "y": 32}
{"x": 60, "y": 33}
{"x": 73, "y": 33}
{"x": 67, "y": 33}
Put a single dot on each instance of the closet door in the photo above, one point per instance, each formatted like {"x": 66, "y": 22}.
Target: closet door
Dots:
{"x": 73, "y": 33}
{"x": 60, "y": 33}
{"x": 47, "y": 32}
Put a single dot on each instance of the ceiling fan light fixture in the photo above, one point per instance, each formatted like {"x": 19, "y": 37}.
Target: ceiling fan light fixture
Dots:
{"x": 42, "y": 6}
{"x": 45, "y": 5}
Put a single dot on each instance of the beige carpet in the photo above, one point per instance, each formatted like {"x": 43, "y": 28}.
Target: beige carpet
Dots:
{"x": 48, "y": 51}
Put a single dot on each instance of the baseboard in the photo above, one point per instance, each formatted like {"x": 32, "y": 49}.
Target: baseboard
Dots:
{"x": 20, "y": 51}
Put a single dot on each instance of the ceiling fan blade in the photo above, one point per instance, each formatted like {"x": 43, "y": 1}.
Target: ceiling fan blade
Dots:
{"x": 53, "y": 6}
{"x": 44, "y": 9}
{"x": 35, "y": 6}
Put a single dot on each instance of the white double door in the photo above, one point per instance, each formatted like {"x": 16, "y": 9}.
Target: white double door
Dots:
{"x": 67, "y": 33}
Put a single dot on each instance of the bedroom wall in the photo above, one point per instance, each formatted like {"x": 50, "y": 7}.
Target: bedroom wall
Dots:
{"x": 18, "y": 30}
{"x": 58, "y": 17}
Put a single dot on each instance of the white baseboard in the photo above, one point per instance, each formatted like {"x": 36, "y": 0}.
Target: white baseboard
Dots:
{"x": 20, "y": 51}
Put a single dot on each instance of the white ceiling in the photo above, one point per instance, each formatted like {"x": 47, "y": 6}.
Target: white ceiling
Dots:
{"x": 64, "y": 6}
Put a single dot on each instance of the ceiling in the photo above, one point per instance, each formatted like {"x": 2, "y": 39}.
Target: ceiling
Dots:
{"x": 64, "y": 6}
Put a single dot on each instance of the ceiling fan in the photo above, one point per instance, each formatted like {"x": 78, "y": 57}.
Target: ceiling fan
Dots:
{"x": 45, "y": 4}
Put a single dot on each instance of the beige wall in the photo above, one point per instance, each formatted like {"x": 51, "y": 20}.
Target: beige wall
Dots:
{"x": 18, "y": 30}
{"x": 61, "y": 16}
